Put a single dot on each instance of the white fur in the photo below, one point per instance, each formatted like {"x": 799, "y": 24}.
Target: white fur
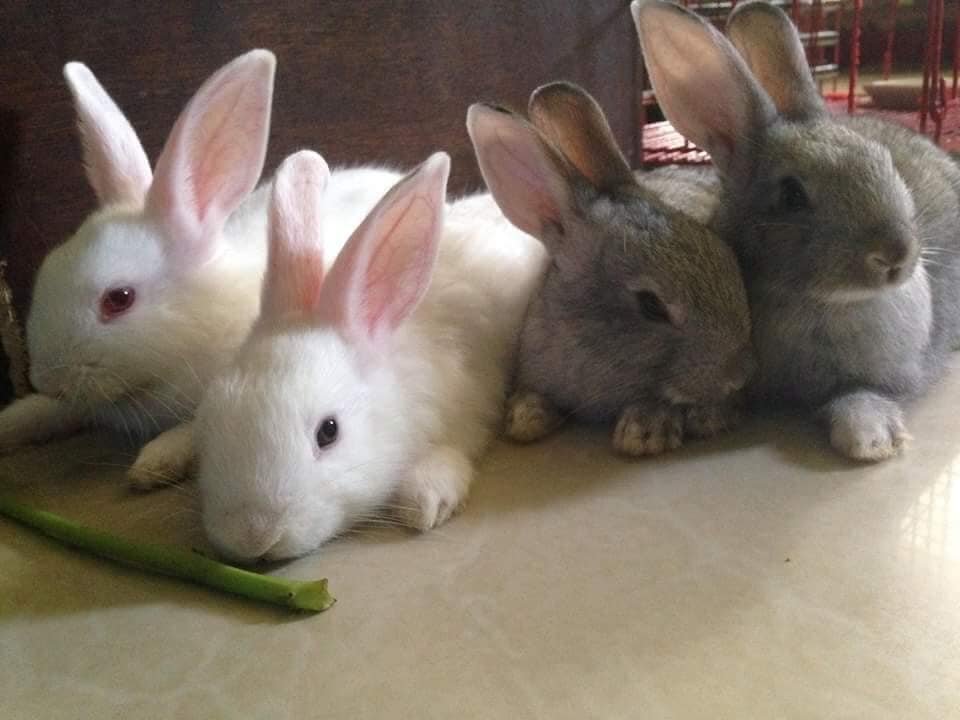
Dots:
{"x": 167, "y": 236}
{"x": 143, "y": 373}
{"x": 165, "y": 459}
{"x": 412, "y": 423}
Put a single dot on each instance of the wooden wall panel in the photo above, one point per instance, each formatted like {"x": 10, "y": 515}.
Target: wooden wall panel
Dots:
{"x": 371, "y": 80}
{"x": 376, "y": 80}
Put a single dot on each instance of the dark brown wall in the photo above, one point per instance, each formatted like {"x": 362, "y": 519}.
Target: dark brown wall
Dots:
{"x": 382, "y": 80}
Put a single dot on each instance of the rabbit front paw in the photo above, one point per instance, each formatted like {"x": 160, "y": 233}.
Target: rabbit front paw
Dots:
{"x": 866, "y": 426}
{"x": 164, "y": 461}
{"x": 530, "y": 417}
{"x": 705, "y": 421}
{"x": 648, "y": 431}
{"x": 436, "y": 488}
{"x": 34, "y": 419}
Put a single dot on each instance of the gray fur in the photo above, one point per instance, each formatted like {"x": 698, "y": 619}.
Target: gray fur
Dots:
{"x": 694, "y": 190}
{"x": 812, "y": 344}
{"x": 835, "y": 330}
{"x": 586, "y": 346}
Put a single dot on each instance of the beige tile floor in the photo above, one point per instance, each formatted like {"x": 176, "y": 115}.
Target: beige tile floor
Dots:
{"x": 757, "y": 576}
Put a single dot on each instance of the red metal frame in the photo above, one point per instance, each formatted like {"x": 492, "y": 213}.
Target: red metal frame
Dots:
{"x": 891, "y": 32}
{"x": 814, "y": 51}
{"x": 855, "y": 54}
{"x": 837, "y": 21}
{"x": 660, "y": 144}
{"x": 956, "y": 52}
{"x": 933, "y": 96}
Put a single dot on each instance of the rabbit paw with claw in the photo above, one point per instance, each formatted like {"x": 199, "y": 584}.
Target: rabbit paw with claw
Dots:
{"x": 648, "y": 431}
{"x": 866, "y": 426}
{"x": 436, "y": 489}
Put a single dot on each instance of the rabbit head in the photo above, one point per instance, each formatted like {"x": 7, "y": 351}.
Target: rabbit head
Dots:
{"x": 813, "y": 208}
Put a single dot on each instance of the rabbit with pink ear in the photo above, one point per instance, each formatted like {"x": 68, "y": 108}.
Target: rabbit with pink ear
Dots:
{"x": 641, "y": 320}
{"x": 373, "y": 386}
{"x": 159, "y": 286}
{"x": 845, "y": 226}
{"x": 137, "y": 308}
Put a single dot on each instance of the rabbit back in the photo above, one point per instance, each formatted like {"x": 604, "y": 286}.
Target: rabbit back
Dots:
{"x": 454, "y": 356}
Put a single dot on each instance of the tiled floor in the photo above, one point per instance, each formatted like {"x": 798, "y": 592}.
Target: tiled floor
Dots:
{"x": 757, "y": 576}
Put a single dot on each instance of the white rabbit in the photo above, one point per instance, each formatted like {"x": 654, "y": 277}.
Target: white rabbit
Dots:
{"x": 137, "y": 308}
{"x": 370, "y": 385}
{"x": 157, "y": 288}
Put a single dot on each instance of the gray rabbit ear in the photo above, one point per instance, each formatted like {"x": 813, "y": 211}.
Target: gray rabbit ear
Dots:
{"x": 574, "y": 122}
{"x": 701, "y": 82}
{"x": 769, "y": 43}
{"x": 528, "y": 178}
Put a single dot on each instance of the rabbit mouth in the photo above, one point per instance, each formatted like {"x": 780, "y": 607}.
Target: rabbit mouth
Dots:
{"x": 864, "y": 293}
{"x": 848, "y": 296}
{"x": 94, "y": 383}
{"x": 710, "y": 386}
{"x": 869, "y": 289}
{"x": 269, "y": 543}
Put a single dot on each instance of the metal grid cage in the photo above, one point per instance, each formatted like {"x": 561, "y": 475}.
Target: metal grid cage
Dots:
{"x": 821, "y": 24}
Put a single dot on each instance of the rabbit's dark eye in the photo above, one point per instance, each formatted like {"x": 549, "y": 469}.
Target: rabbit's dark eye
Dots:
{"x": 652, "y": 307}
{"x": 327, "y": 432}
{"x": 792, "y": 195}
{"x": 116, "y": 302}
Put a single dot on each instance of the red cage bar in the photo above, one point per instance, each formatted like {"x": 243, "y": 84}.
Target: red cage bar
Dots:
{"x": 660, "y": 144}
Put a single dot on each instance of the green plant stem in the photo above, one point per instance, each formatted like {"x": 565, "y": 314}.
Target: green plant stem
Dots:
{"x": 174, "y": 562}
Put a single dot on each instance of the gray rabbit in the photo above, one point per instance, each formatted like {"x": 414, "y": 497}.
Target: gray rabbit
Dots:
{"x": 642, "y": 316}
{"x": 846, "y": 228}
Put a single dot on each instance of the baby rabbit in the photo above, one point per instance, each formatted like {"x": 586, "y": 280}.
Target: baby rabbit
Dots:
{"x": 845, "y": 227}
{"x": 137, "y": 308}
{"x": 157, "y": 288}
{"x": 642, "y": 316}
{"x": 368, "y": 385}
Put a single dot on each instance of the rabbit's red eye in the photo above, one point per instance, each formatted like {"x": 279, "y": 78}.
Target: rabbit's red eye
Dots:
{"x": 116, "y": 301}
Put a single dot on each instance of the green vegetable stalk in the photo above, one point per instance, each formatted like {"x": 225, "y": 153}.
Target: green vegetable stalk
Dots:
{"x": 312, "y": 596}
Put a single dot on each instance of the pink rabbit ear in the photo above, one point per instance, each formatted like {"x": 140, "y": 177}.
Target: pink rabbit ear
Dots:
{"x": 384, "y": 270}
{"x": 116, "y": 165}
{"x": 295, "y": 266}
{"x": 528, "y": 178}
{"x": 701, "y": 82}
{"x": 214, "y": 155}
{"x": 570, "y": 118}
{"x": 769, "y": 42}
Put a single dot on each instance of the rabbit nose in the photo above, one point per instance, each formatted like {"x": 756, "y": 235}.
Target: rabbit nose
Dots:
{"x": 889, "y": 265}
{"x": 261, "y": 535}
{"x": 250, "y": 539}
{"x": 883, "y": 268}
{"x": 740, "y": 369}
